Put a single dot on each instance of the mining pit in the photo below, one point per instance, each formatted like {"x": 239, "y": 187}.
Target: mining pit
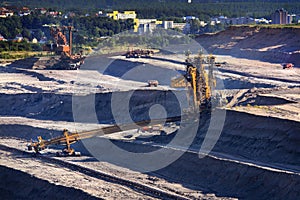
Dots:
{"x": 256, "y": 155}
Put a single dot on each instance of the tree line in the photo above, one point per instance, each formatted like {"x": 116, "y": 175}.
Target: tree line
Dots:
{"x": 31, "y": 26}
{"x": 171, "y": 8}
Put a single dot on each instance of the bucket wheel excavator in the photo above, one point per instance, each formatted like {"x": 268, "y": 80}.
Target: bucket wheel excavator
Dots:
{"x": 198, "y": 82}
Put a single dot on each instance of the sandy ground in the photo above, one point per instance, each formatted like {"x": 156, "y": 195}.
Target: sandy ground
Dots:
{"x": 71, "y": 82}
{"x": 279, "y": 99}
{"x": 90, "y": 185}
{"x": 58, "y": 175}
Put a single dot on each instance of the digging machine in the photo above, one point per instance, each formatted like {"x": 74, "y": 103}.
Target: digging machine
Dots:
{"x": 63, "y": 47}
{"x": 67, "y": 138}
{"x": 198, "y": 82}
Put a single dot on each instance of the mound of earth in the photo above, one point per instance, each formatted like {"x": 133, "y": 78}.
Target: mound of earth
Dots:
{"x": 19, "y": 185}
{"x": 278, "y": 45}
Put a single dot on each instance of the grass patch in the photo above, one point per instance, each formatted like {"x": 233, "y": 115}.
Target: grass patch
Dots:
{"x": 273, "y": 26}
{"x": 22, "y": 54}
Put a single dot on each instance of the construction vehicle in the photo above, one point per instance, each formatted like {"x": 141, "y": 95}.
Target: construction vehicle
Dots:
{"x": 139, "y": 53}
{"x": 153, "y": 83}
{"x": 198, "y": 82}
{"x": 157, "y": 127}
{"x": 63, "y": 48}
{"x": 67, "y": 138}
{"x": 287, "y": 65}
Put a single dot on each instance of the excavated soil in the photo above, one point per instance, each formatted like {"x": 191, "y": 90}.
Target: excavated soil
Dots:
{"x": 57, "y": 107}
{"x": 256, "y": 156}
{"x": 276, "y": 45}
{"x": 19, "y": 185}
{"x": 255, "y": 140}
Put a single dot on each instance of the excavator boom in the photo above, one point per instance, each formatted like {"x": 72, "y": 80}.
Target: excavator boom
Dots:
{"x": 68, "y": 138}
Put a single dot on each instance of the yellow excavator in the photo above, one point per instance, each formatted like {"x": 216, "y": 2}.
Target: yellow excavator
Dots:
{"x": 198, "y": 82}
{"x": 67, "y": 138}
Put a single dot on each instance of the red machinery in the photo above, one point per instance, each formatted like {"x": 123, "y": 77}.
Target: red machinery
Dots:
{"x": 63, "y": 48}
{"x": 287, "y": 65}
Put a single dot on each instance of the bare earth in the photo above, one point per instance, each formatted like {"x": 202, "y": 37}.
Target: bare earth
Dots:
{"x": 257, "y": 151}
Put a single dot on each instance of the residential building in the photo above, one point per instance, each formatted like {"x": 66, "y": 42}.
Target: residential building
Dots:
{"x": 2, "y": 38}
{"x": 34, "y": 41}
{"x": 188, "y": 18}
{"x": 187, "y": 28}
{"x": 242, "y": 20}
{"x": 136, "y": 25}
{"x": 100, "y": 13}
{"x": 290, "y": 18}
{"x": 141, "y": 25}
{"x": 168, "y": 24}
{"x": 70, "y": 15}
{"x": 113, "y": 15}
{"x": 262, "y": 21}
{"x": 148, "y": 25}
{"x": 147, "y": 21}
{"x": 116, "y": 15}
{"x": 179, "y": 26}
{"x": 53, "y": 13}
{"x": 24, "y": 11}
{"x": 297, "y": 18}
{"x": 4, "y": 12}
{"x": 19, "y": 38}
{"x": 146, "y": 28}
{"x": 239, "y": 20}
{"x": 280, "y": 16}
{"x": 41, "y": 10}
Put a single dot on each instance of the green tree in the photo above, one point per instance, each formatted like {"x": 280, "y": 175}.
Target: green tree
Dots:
{"x": 79, "y": 39}
{"x": 26, "y": 34}
{"x": 195, "y": 25}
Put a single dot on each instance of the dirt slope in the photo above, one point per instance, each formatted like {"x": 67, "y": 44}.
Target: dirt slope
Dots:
{"x": 261, "y": 43}
{"x": 19, "y": 185}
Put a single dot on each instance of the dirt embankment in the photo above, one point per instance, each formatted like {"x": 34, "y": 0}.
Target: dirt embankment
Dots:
{"x": 232, "y": 179}
{"x": 19, "y": 185}
{"x": 258, "y": 138}
{"x": 265, "y": 139}
{"x": 260, "y": 43}
{"x": 58, "y": 107}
